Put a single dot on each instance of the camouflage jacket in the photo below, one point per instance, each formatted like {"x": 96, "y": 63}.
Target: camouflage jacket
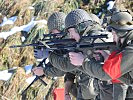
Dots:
{"x": 124, "y": 73}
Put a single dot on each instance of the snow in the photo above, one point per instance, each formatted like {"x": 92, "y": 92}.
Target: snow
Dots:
{"x": 8, "y": 21}
{"x": 28, "y": 68}
{"x": 99, "y": 14}
{"x": 30, "y": 7}
{"x": 6, "y": 74}
{"x": 30, "y": 79}
{"x": 22, "y": 38}
{"x": 110, "y": 5}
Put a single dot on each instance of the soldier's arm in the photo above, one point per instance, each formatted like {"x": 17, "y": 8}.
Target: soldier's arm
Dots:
{"x": 61, "y": 62}
{"x": 113, "y": 68}
{"x": 50, "y": 70}
{"x": 94, "y": 69}
{"x": 127, "y": 60}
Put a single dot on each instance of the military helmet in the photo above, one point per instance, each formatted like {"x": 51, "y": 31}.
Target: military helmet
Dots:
{"x": 95, "y": 18}
{"x": 122, "y": 22}
{"x": 76, "y": 17}
{"x": 56, "y": 21}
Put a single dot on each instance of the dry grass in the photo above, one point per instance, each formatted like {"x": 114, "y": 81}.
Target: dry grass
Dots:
{"x": 124, "y": 4}
{"x": 10, "y": 56}
{"x": 17, "y": 82}
{"x": 12, "y": 90}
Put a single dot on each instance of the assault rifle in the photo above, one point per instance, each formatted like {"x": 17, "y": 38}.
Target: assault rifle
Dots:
{"x": 43, "y": 44}
{"x": 55, "y": 42}
{"x": 90, "y": 46}
{"x": 72, "y": 45}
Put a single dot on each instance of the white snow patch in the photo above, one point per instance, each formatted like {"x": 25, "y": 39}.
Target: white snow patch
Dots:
{"x": 8, "y": 21}
{"x": 30, "y": 79}
{"x": 28, "y": 68}
{"x": 110, "y": 5}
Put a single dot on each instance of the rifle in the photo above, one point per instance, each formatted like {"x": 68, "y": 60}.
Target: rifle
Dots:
{"x": 90, "y": 46}
{"x": 45, "y": 44}
{"x": 37, "y": 77}
{"x": 59, "y": 41}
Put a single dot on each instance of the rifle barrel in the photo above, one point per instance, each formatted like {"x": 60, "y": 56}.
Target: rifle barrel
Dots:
{"x": 24, "y": 45}
{"x": 63, "y": 41}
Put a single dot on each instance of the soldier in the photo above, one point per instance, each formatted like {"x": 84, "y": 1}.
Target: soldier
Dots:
{"x": 87, "y": 87}
{"x": 106, "y": 88}
{"x": 56, "y": 24}
{"x": 118, "y": 66}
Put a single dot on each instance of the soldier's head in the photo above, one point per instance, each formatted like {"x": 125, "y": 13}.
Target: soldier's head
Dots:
{"x": 122, "y": 24}
{"x": 76, "y": 22}
{"x": 56, "y": 22}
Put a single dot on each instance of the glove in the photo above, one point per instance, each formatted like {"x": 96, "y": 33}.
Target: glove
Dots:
{"x": 41, "y": 53}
